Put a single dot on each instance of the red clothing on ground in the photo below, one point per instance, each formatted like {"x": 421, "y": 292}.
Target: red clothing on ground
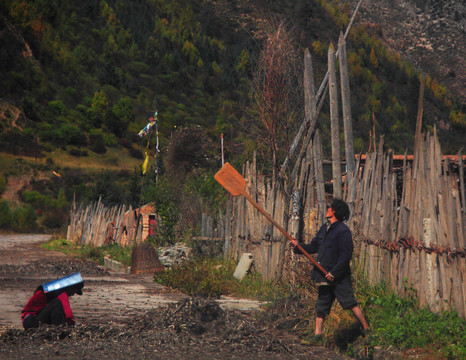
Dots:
{"x": 39, "y": 301}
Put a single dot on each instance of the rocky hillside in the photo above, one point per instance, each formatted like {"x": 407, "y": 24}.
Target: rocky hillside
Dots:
{"x": 430, "y": 33}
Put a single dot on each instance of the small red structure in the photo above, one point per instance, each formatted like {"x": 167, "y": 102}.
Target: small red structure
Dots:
{"x": 149, "y": 220}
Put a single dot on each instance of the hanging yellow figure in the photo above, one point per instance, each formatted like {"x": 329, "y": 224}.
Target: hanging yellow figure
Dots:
{"x": 146, "y": 162}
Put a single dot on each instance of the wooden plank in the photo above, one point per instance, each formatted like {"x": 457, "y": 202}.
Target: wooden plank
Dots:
{"x": 367, "y": 190}
{"x": 455, "y": 223}
{"x": 444, "y": 236}
{"x": 346, "y": 107}
{"x": 402, "y": 215}
{"x": 462, "y": 280}
{"x": 334, "y": 124}
{"x": 320, "y": 187}
{"x": 401, "y": 270}
{"x": 386, "y": 196}
{"x": 310, "y": 100}
{"x": 377, "y": 194}
{"x": 435, "y": 283}
{"x": 363, "y": 257}
{"x": 461, "y": 178}
{"x": 457, "y": 287}
{"x": 459, "y": 224}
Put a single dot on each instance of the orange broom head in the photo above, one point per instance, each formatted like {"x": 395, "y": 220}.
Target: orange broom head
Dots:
{"x": 231, "y": 180}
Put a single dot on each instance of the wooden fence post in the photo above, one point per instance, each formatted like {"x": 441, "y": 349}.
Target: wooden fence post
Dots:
{"x": 347, "y": 121}
{"x": 319, "y": 174}
{"x": 334, "y": 126}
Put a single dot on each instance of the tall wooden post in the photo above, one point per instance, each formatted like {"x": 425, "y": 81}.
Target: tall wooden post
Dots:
{"x": 320, "y": 94}
{"x": 309, "y": 89}
{"x": 461, "y": 176}
{"x": 347, "y": 121}
{"x": 319, "y": 174}
{"x": 310, "y": 112}
{"x": 334, "y": 127}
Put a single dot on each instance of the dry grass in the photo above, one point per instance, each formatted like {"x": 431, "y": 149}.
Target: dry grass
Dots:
{"x": 113, "y": 159}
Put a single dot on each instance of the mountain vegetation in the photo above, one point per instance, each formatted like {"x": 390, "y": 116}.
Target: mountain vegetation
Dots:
{"x": 80, "y": 80}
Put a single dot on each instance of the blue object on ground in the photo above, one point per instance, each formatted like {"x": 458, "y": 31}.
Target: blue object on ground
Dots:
{"x": 63, "y": 282}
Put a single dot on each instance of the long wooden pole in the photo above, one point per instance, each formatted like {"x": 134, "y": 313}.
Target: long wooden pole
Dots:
{"x": 334, "y": 125}
{"x": 306, "y": 121}
{"x": 346, "y": 107}
{"x": 283, "y": 231}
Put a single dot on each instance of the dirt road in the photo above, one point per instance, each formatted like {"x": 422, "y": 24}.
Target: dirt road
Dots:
{"x": 24, "y": 265}
{"x": 120, "y": 316}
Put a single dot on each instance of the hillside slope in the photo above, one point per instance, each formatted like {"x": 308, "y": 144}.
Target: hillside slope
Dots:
{"x": 431, "y": 34}
{"x": 87, "y": 78}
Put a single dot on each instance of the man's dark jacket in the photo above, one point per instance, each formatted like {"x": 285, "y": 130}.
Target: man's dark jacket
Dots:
{"x": 334, "y": 248}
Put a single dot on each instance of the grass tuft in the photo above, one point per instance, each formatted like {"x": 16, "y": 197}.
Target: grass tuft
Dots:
{"x": 97, "y": 254}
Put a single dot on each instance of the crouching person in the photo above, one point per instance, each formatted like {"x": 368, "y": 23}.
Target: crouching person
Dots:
{"x": 50, "y": 303}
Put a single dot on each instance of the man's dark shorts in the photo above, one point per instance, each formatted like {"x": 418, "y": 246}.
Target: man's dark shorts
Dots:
{"x": 344, "y": 293}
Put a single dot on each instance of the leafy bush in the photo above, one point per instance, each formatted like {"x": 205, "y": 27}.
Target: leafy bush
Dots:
{"x": 71, "y": 135}
{"x": 21, "y": 219}
{"x": 77, "y": 152}
{"x": 5, "y": 215}
{"x": 97, "y": 145}
{"x": 3, "y": 184}
{"x": 135, "y": 153}
{"x": 166, "y": 197}
{"x": 118, "y": 253}
{"x": 204, "y": 277}
{"x": 24, "y": 219}
{"x": 19, "y": 143}
{"x": 54, "y": 219}
{"x": 400, "y": 322}
{"x": 213, "y": 277}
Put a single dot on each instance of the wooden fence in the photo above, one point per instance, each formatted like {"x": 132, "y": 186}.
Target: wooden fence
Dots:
{"x": 408, "y": 223}
{"x": 416, "y": 238}
{"x": 97, "y": 225}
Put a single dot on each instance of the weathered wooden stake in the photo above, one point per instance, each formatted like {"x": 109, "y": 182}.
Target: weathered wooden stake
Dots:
{"x": 334, "y": 126}
{"x": 346, "y": 107}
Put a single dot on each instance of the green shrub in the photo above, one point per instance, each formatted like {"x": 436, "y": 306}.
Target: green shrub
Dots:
{"x": 55, "y": 219}
{"x": 24, "y": 219}
{"x": 3, "y": 184}
{"x": 210, "y": 277}
{"x": 118, "y": 253}
{"x": 71, "y": 135}
{"x": 166, "y": 198}
{"x": 204, "y": 277}
{"x": 97, "y": 145}
{"x": 5, "y": 215}
{"x": 400, "y": 322}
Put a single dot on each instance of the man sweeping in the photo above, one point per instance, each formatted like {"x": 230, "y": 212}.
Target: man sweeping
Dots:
{"x": 334, "y": 247}
{"x": 50, "y": 302}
